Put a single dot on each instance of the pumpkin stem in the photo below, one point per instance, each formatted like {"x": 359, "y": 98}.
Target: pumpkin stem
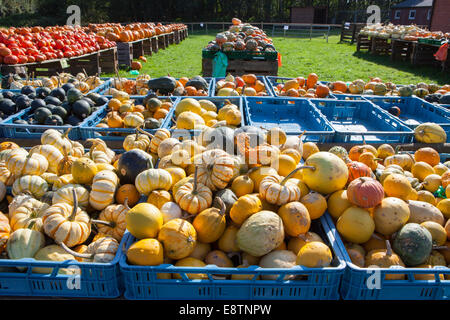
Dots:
{"x": 110, "y": 224}
{"x": 294, "y": 172}
{"x": 222, "y": 206}
{"x": 303, "y": 133}
{"x": 125, "y": 204}
{"x": 31, "y": 225}
{"x": 389, "y": 248}
{"x": 377, "y": 237}
{"x": 144, "y": 132}
{"x": 75, "y": 205}
{"x": 65, "y": 134}
{"x": 74, "y": 253}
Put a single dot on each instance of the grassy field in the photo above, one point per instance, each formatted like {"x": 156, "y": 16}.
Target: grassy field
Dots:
{"x": 331, "y": 61}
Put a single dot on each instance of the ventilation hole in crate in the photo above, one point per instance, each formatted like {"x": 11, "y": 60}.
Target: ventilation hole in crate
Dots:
{"x": 137, "y": 276}
{"x": 325, "y": 292}
{"x": 149, "y": 291}
{"x": 103, "y": 287}
{"x": 147, "y": 276}
{"x": 315, "y": 292}
{"x": 138, "y": 289}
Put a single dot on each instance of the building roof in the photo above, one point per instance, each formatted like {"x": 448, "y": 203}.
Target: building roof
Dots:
{"x": 414, "y": 4}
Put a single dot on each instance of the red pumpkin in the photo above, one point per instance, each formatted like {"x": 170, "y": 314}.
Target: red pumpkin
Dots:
{"x": 365, "y": 192}
{"x": 358, "y": 169}
{"x": 135, "y": 65}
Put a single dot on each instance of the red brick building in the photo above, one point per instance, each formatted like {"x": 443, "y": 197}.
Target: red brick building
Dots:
{"x": 416, "y": 12}
{"x": 318, "y": 15}
{"x": 440, "y": 19}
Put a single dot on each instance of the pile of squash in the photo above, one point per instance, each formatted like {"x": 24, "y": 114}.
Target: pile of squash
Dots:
{"x": 395, "y": 209}
{"x": 247, "y": 85}
{"x": 124, "y": 112}
{"x": 192, "y": 114}
{"x": 249, "y": 203}
{"x": 131, "y": 32}
{"x": 66, "y": 203}
{"x": 301, "y": 87}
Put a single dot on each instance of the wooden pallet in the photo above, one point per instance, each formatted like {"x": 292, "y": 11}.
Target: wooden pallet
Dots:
{"x": 350, "y": 31}
{"x": 125, "y": 53}
{"x": 401, "y": 50}
{"x": 109, "y": 61}
{"x": 166, "y": 39}
{"x": 89, "y": 64}
{"x": 380, "y": 46}
{"x": 161, "y": 42}
{"x": 147, "y": 46}
{"x": 363, "y": 43}
{"x": 138, "y": 48}
{"x": 155, "y": 44}
{"x": 423, "y": 54}
{"x": 48, "y": 68}
{"x": 241, "y": 67}
{"x": 20, "y": 70}
{"x": 176, "y": 36}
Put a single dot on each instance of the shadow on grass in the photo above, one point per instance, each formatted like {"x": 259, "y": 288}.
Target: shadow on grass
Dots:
{"x": 434, "y": 73}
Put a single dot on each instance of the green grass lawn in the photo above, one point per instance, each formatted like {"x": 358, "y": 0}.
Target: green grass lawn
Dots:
{"x": 331, "y": 61}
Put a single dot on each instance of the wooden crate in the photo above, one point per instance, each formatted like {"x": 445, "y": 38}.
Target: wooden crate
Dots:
{"x": 241, "y": 67}
{"x": 147, "y": 45}
{"x": 401, "y": 50}
{"x": 109, "y": 61}
{"x": 423, "y": 54}
{"x": 363, "y": 43}
{"x": 350, "y": 31}
{"x": 138, "y": 48}
{"x": 20, "y": 70}
{"x": 161, "y": 42}
{"x": 89, "y": 63}
{"x": 48, "y": 68}
{"x": 166, "y": 39}
{"x": 155, "y": 44}
{"x": 380, "y": 46}
{"x": 125, "y": 53}
{"x": 176, "y": 36}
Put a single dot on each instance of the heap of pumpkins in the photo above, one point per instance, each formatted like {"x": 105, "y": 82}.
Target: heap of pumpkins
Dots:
{"x": 66, "y": 204}
{"x": 193, "y": 114}
{"x": 301, "y": 87}
{"x": 124, "y": 112}
{"x": 247, "y": 85}
{"x": 395, "y": 208}
{"x": 131, "y": 32}
{"x": 250, "y": 203}
{"x": 376, "y": 86}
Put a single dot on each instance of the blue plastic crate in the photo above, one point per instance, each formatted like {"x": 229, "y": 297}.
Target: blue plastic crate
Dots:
{"x": 354, "y": 119}
{"x": 274, "y": 81}
{"x": 19, "y": 131}
{"x": 293, "y": 115}
{"x": 260, "y": 78}
{"x": 141, "y": 282}
{"x": 415, "y": 111}
{"x": 209, "y": 80}
{"x": 89, "y": 130}
{"x": 218, "y": 101}
{"x": 92, "y": 280}
{"x": 371, "y": 284}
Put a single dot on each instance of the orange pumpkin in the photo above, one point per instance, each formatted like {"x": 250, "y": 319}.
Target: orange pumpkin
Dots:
{"x": 8, "y": 145}
{"x": 365, "y": 192}
{"x": 340, "y": 86}
{"x": 249, "y": 79}
{"x": 312, "y": 80}
{"x": 136, "y": 65}
{"x": 5, "y": 231}
{"x": 428, "y": 155}
{"x": 129, "y": 192}
{"x": 357, "y": 169}
{"x": 322, "y": 91}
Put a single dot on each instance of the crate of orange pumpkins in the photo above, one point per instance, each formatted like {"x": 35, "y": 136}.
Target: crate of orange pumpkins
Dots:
{"x": 163, "y": 86}
{"x": 125, "y": 115}
{"x": 300, "y": 87}
{"x": 247, "y": 85}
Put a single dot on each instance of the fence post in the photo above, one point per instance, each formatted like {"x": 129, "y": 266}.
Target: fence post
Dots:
{"x": 223, "y": 26}
{"x": 192, "y": 28}
{"x": 328, "y": 32}
{"x": 206, "y": 28}
{"x": 310, "y": 33}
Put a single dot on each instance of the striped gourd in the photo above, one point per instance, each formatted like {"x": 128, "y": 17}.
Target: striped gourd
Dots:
{"x": 114, "y": 215}
{"x": 159, "y": 136}
{"x": 153, "y": 179}
{"x": 100, "y": 145}
{"x": 62, "y": 181}
{"x": 28, "y": 213}
{"x": 31, "y": 164}
{"x": 5, "y": 153}
{"x": 99, "y": 156}
{"x": 57, "y": 139}
{"x": 51, "y": 178}
{"x": 65, "y": 195}
{"x": 136, "y": 141}
{"x": 51, "y": 153}
{"x": 33, "y": 184}
{"x": 104, "y": 186}
{"x": 5, "y": 175}
{"x": 77, "y": 149}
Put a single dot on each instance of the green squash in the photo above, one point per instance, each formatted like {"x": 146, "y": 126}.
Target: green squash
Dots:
{"x": 164, "y": 85}
{"x": 54, "y": 120}
{"x": 421, "y": 92}
{"x": 413, "y": 243}
{"x": 24, "y": 243}
{"x": 74, "y": 95}
{"x": 41, "y": 114}
{"x": 340, "y": 152}
{"x": 151, "y": 123}
{"x": 53, "y": 253}
{"x": 81, "y": 109}
{"x": 198, "y": 83}
{"x": 405, "y": 91}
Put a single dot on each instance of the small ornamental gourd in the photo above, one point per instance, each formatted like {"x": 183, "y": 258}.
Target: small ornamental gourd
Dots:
{"x": 178, "y": 238}
{"x": 365, "y": 192}
{"x": 57, "y": 139}
{"x": 385, "y": 258}
{"x": 83, "y": 170}
{"x": 159, "y": 136}
{"x": 66, "y": 223}
{"x": 413, "y": 243}
{"x": 24, "y": 243}
{"x": 28, "y": 215}
{"x": 278, "y": 190}
{"x": 136, "y": 141}
{"x": 5, "y": 231}
{"x": 144, "y": 221}
{"x": 215, "y": 168}
{"x": 102, "y": 250}
{"x": 244, "y": 207}
{"x": 65, "y": 195}
{"x": 314, "y": 255}
{"x": 104, "y": 186}
{"x": 153, "y": 179}
{"x": 356, "y": 225}
{"x": 358, "y": 169}
{"x": 64, "y": 166}
{"x": 51, "y": 153}
{"x": 210, "y": 223}
{"x": 33, "y": 184}
{"x": 295, "y": 217}
{"x": 146, "y": 252}
{"x": 193, "y": 197}
{"x": 31, "y": 164}
{"x": 390, "y": 215}
{"x": 112, "y": 220}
